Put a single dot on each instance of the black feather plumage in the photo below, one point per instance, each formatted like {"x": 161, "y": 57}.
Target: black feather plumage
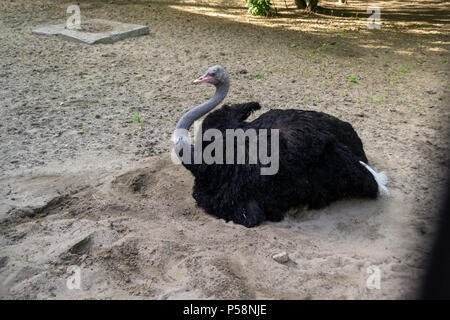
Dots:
{"x": 318, "y": 163}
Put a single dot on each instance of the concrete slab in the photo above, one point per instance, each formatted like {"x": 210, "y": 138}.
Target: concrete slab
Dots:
{"x": 95, "y": 31}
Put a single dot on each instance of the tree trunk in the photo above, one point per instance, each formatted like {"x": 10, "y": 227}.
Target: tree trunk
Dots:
{"x": 300, "y": 4}
{"x": 306, "y": 4}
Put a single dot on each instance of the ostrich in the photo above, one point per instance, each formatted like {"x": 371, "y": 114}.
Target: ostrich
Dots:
{"x": 321, "y": 159}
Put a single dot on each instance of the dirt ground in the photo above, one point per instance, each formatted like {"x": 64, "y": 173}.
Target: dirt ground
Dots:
{"x": 83, "y": 182}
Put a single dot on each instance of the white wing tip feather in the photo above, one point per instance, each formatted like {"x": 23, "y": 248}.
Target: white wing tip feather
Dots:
{"x": 381, "y": 179}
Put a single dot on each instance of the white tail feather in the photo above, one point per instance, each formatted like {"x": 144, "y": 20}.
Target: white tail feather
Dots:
{"x": 380, "y": 178}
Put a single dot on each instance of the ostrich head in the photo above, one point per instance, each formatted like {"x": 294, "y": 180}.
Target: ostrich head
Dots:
{"x": 215, "y": 75}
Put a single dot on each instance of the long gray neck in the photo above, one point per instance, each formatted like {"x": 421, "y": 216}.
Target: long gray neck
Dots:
{"x": 188, "y": 119}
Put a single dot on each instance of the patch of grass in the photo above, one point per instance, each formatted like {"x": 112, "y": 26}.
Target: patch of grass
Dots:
{"x": 395, "y": 81}
{"x": 109, "y": 146}
{"x": 323, "y": 47}
{"x": 259, "y": 75}
{"x": 444, "y": 60}
{"x": 140, "y": 98}
{"x": 379, "y": 100}
{"x": 138, "y": 118}
{"x": 399, "y": 101}
{"x": 318, "y": 100}
{"x": 403, "y": 70}
{"x": 352, "y": 79}
{"x": 390, "y": 72}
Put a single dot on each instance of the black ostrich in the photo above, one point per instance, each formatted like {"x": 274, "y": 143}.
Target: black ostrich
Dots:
{"x": 321, "y": 159}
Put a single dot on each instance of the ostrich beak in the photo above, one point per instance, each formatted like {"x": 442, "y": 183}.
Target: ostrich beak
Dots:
{"x": 202, "y": 79}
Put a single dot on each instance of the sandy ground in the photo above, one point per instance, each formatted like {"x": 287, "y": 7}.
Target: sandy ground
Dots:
{"x": 83, "y": 183}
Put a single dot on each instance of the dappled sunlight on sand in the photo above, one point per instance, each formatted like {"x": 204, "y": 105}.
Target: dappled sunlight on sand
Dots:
{"x": 401, "y": 19}
{"x": 331, "y": 17}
